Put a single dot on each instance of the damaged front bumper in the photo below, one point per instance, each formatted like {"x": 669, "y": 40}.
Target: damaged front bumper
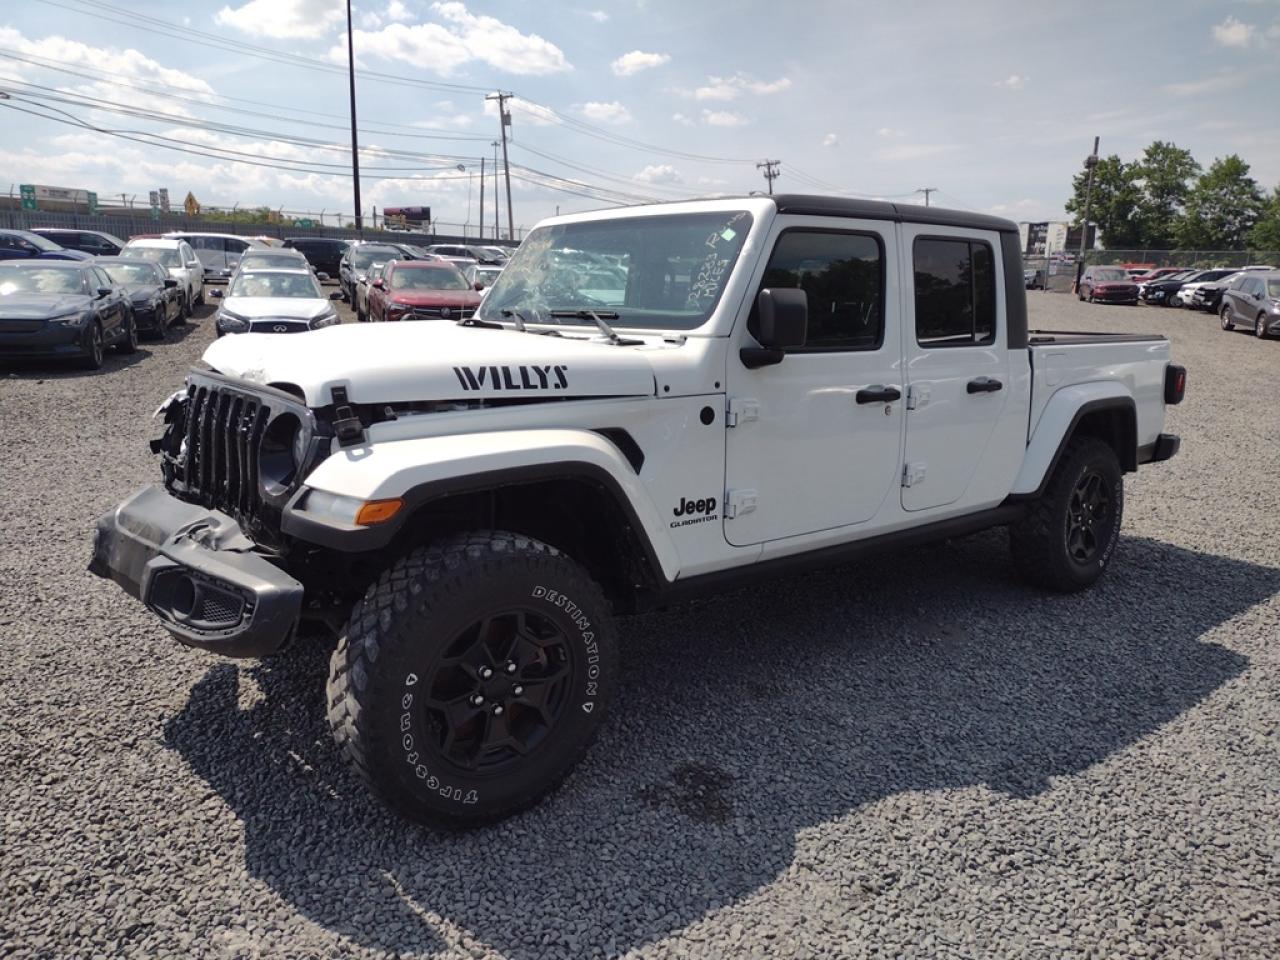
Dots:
{"x": 195, "y": 570}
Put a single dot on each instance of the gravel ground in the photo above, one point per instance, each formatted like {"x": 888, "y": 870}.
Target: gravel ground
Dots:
{"x": 913, "y": 757}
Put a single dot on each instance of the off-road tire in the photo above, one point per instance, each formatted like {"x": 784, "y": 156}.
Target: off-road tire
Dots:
{"x": 1040, "y": 542}
{"x": 390, "y": 654}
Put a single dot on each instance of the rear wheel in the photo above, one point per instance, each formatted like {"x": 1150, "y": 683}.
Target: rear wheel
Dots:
{"x": 1225, "y": 316}
{"x": 200, "y": 295}
{"x": 1260, "y": 326}
{"x": 1067, "y": 540}
{"x": 472, "y": 677}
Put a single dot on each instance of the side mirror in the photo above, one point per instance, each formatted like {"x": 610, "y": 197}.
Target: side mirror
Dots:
{"x": 378, "y": 283}
{"x": 322, "y": 276}
{"x": 170, "y": 283}
{"x": 216, "y": 293}
{"x": 336, "y": 295}
{"x": 192, "y": 263}
{"x": 104, "y": 292}
{"x": 781, "y": 323}
{"x": 478, "y": 286}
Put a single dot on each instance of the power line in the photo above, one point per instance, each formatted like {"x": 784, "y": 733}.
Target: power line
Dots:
{"x": 926, "y": 191}
{"x": 770, "y": 168}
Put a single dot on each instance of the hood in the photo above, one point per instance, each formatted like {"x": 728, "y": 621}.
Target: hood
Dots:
{"x": 435, "y": 298}
{"x": 40, "y": 306}
{"x": 142, "y": 291}
{"x": 401, "y": 362}
{"x": 292, "y": 308}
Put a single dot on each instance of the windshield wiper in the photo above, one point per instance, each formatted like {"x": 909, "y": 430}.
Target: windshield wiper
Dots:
{"x": 516, "y": 319}
{"x": 610, "y": 334}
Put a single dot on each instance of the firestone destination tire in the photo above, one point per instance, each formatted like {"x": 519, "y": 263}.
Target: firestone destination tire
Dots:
{"x": 1066, "y": 542}
{"x": 472, "y": 677}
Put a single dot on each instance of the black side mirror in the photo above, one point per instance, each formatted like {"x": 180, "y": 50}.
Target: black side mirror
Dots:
{"x": 170, "y": 283}
{"x": 104, "y": 292}
{"x": 216, "y": 293}
{"x": 781, "y": 323}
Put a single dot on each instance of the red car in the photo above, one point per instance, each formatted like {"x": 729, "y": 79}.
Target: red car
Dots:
{"x": 1107, "y": 285}
{"x": 1157, "y": 274}
{"x": 421, "y": 290}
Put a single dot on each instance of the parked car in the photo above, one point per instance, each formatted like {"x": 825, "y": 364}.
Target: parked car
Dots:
{"x": 324, "y": 253}
{"x": 1033, "y": 279}
{"x": 93, "y": 242}
{"x": 24, "y": 245}
{"x": 219, "y": 252}
{"x": 498, "y": 255}
{"x": 1158, "y": 273}
{"x": 274, "y": 301}
{"x": 280, "y": 257}
{"x": 357, "y": 261}
{"x": 481, "y": 275}
{"x": 1253, "y": 301}
{"x": 1107, "y": 285}
{"x": 178, "y": 258}
{"x": 460, "y": 254}
{"x": 1160, "y": 291}
{"x": 416, "y": 290}
{"x": 153, "y": 294}
{"x": 1208, "y": 296}
{"x": 58, "y": 309}
{"x": 1187, "y": 292}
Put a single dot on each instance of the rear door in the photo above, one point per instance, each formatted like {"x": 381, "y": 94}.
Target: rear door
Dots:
{"x": 211, "y": 252}
{"x": 963, "y": 444}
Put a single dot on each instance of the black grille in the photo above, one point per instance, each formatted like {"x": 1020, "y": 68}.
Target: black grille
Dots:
{"x": 443, "y": 313}
{"x": 278, "y": 326}
{"x": 224, "y": 435}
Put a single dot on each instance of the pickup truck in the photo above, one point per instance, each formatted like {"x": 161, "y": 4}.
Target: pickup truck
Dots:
{"x": 652, "y": 403}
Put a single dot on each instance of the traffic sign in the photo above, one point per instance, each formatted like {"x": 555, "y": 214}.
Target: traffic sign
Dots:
{"x": 93, "y": 203}
{"x": 304, "y": 224}
{"x": 28, "y": 191}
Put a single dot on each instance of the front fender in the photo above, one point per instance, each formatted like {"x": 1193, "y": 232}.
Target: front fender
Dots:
{"x": 1061, "y": 413}
{"x": 423, "y": 469}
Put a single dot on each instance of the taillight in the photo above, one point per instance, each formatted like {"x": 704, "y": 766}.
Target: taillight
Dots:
{"x": 1175, "y": 383}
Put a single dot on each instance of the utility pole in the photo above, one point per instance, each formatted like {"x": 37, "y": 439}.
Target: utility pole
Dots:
{"x": 481, "y": 230}
{"x": 504, "y": 122}
{"x": 355, "y": 143}
{"x": 497, "y": 234}
{"x": 926, "y": 191}
{"x": 770, "y": 168}
{"x": 1091, "y": 163}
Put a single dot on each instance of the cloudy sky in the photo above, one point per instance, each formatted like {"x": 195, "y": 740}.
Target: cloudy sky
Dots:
{"x": 994, "y": 104}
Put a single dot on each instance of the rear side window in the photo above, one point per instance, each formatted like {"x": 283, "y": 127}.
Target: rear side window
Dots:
{"x": 842, "y": 275}
{"x": 955, "y": 287}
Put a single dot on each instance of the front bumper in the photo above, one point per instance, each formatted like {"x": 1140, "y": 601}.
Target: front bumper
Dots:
{"x": 47, "y": 340}
{"x": 195, "y": 570}
{"x": 148, "y": 320}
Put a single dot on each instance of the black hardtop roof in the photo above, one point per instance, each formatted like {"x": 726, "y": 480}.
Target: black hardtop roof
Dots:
{"x": 818, "y": 206}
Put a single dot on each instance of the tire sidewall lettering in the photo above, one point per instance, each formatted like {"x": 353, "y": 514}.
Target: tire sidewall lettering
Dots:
{"x": 590, "y": 677}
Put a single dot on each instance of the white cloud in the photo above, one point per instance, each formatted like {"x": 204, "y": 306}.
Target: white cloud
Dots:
{"x": 637, "y": 60}
{"x": 614, "y": 113}
{"x": 522, "y": 111}
{"x": 659, "y": 173}
{"x": 302, "y": 19}
{"x": 712, "y": 182}
{"x": 397, "y": 11}
{"x": 730, "y": 88}
{"x": 599, "y": 16}
{"x": 1232, "y": 33}
{"x": 724, "y": 118}
{"x": 888, "y": 132}
{"x": 680, "y": 118}
{"x": 1014, "y": 81}
{"x": 466, "y": 37}
{"x": 1191, "y": 88}
{"x": 831, "y": 140}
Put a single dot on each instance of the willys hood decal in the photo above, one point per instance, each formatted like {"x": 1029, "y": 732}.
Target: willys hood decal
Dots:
{"x": 399, "y": 362}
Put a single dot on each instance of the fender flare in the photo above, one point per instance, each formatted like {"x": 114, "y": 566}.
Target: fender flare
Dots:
{"x": 1057, "y": 424}
{"x": 422, "y": 470}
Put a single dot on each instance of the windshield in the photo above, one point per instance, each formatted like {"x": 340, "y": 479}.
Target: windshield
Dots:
{"x": 132, "y": 273}
{"x": 274, "y": 285}
{"x": 165, "y": 256}
{"x": 427, "y": 278}
{"x": 362, "y": 257}
{"x": 47, "y": 280}
{"x": 1116, "y": 274}
{"x": 664, "y": 272}
{"x": 251, "y": 261}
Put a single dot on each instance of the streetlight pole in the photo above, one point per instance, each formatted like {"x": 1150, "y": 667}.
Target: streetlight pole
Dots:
{"x": 355, "y": 143}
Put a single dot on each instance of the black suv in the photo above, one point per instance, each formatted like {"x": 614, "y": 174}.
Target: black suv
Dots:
{"x": 93, "y": 242}
{"x": 323, "y": 253}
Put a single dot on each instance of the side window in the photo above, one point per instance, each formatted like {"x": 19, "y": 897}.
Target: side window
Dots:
{"x": 842, "y": 275}
{"x": 236, "y": 247}
{"x": 955, "y": 286}
{"x": 100, "y": 278}
{"x": 187, "y": 253}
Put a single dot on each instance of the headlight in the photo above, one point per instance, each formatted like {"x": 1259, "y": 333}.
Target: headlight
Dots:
{"x": 327, "y": 319}
{"x": 350, "y": 510}
{"x": 232, "y": 323}
{"x": 69, "y": 319}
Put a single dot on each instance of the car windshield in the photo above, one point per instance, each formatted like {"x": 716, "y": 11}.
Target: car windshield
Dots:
{"x": 45, "y": 280}
{"x": 165, "y": 256}
{"x": 256, "y": 260}
{"x": 1116, "y": 274}
{"x": 294, "y": 285}
{"x": 363, "y": 257}
{"x": 132, "y": 273}
{"x": 427, "y": 278}
{"x": 662, "y": 272}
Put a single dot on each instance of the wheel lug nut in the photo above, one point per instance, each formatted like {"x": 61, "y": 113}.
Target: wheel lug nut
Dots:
{"x": 517, "y": 690}
{"x": 511, "y": 666}
{"x": 497, "y": 710}
{"x": 486, "y": 673}
{"x": 477, "y": 700}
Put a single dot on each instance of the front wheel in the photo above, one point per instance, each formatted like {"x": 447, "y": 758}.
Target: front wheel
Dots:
{"x": 1225, "y": 315}
{"x": 1260, "y": 327}
{"x": 472, "y": 677}
{"x": 93, "y": 355}
{"x": 1066, "y": 542}
{"x": 129, "y": 342}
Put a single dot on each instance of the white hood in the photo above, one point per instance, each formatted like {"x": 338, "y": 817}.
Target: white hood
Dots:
{"x": 292, "y": 308}
{"x": 431, "y": 360}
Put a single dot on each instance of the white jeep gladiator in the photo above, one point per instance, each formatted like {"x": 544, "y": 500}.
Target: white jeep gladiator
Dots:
{"x": 651, "y": 403}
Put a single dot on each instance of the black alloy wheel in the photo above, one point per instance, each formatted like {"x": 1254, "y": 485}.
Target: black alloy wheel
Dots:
{"x": 92, "y": 359}
{"x": 1225, "y": 315}
{"x": 1089, "y": 517}
{"x": 129, "y": 342}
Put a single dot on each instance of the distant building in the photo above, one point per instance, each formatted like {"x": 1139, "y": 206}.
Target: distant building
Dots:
{"x": 1053, "y": 236}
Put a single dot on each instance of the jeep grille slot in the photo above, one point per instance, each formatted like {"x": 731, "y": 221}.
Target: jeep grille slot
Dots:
{"x": 224, "y": 431}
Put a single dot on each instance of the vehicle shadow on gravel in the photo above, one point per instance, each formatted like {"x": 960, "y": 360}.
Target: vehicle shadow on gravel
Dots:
{"x": 741, "y": 721}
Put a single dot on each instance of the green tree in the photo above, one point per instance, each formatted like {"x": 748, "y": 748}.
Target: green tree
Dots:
{"x": 1165, "y": 174}
{"x": 1265, "y": 234}
{"x": 1113, "y": 203}
{"x": 1222, "y": 208}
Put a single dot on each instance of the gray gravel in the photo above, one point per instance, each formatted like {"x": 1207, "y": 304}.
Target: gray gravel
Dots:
{"x": 912, "y": 757}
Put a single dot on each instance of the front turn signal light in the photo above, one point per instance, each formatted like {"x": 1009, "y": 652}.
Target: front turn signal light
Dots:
{"x": 374, "y": 512}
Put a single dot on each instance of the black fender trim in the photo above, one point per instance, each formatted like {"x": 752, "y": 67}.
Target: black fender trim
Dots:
{"x": 1128, "y": 456}
{"x": 1165, "y": 447}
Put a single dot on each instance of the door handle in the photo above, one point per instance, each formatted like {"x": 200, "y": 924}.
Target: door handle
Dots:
{"x": 878, "y": 393}
{"x": 984, "y": 385}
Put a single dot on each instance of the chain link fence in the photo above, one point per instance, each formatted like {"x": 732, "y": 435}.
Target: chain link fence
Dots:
{"x": 1201, "y": 259}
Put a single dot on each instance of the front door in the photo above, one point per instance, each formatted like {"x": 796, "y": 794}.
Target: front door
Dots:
{"x": 957, "y": 371}
{"x": 817, "y": 440}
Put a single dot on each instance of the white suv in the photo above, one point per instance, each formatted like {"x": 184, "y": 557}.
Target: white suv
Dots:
{"x": 178, "y": 258}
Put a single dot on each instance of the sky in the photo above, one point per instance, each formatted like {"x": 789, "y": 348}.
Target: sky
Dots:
{"x": 994, "y": 104}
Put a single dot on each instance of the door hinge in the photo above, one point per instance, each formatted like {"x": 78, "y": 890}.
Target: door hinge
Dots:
{"x": 741, "y": 410}
{"x": 917, "y": 396}
{"x": 737, "y": 503}
{"x": 913, "y": 473}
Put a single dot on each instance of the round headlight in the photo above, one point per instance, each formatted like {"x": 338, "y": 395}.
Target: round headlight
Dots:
{"x": 279, "y": 455}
